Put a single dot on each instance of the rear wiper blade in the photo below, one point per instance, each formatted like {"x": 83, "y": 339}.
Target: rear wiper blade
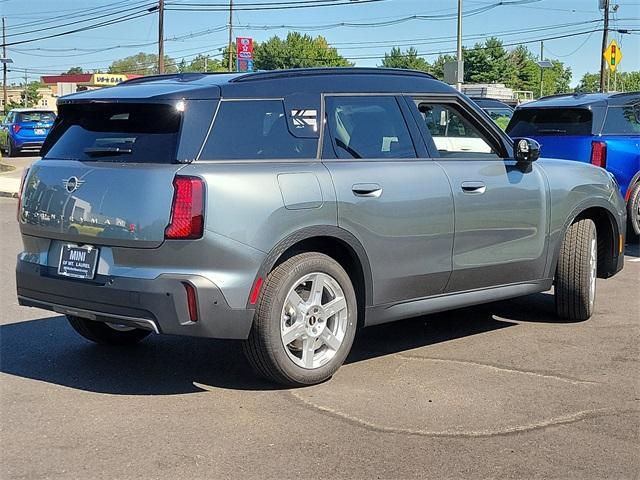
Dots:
{"x": 551, "y": 130}
{"x": 96, "y": 151}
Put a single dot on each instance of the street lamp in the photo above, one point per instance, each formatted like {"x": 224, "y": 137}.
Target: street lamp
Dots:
{"x": 543, "y": 64}
{"x": 4, "y": 62}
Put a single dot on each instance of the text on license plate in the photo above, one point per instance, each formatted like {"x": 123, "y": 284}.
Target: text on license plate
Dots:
{"x": 78, "y": 262}
{"x": 39, "y": 131}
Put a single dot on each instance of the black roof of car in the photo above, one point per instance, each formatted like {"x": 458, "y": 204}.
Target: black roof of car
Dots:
{"x": 583, "y": 100}
{"x": 276, "y": 83}
{"x": 484, "y": 102}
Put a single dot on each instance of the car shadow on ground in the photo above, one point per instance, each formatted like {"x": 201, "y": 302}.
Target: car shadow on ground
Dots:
{"x": 632, "y": 250}
{"x": 48, "y": 350}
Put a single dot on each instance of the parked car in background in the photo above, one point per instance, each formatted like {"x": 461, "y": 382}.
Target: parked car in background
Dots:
{"x": 601, "y": 129}
{"x": 499, "y": 111}
{"x": 288, "y": 208}
{"x": 25, "y": 129}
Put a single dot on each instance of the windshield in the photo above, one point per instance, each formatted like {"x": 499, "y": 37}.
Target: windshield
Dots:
{"x": 126, "y": 132}
{"x": 533, "y": 122}
{"x": 24, "y": 117}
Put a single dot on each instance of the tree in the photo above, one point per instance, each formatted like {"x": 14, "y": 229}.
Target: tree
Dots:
{"x": 202, "y": 63}
{"x": 74, "y": 71}
{"x": 295, "y": 51}
{"x": 33, "y": 97}
{"x": 143, "y": 64}
{"x": 409, "y": 60}
{"x": 488, "y": 63}
{"x": 622, "y": 81}
{"x": 437, "y": 67}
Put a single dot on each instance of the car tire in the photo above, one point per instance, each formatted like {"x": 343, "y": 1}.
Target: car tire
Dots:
{"x": 107, "y": 334}
{"x": 11, "y": 150}
{"x": 633, "y": 214}
{"x": 576, "y": 272}
{"x": 305, "y": 343}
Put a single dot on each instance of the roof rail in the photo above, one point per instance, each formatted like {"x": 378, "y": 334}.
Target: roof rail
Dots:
{"x": 558, "y": 95}
{"x": 624, "y": 94}
{"x": 302, "y": 72}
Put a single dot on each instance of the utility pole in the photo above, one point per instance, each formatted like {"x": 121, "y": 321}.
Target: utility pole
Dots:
{"x": 459, "y": 51}
{"x": 26, "y": 91}
{"x": 541, "y": 68}
{"x": 160, "y": 37}
{"x": 605, "y": 32}
{"x": 230, "y": 46}
{"x": 206, "y": 63}
{"x": 4, "y": 66}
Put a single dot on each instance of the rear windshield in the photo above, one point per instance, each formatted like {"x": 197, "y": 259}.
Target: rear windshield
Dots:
{"x": 533, "y": 122}
{"x": 24, "y": 117}
{"x": 622, "y": 120}
{"x": 126, "y": 132}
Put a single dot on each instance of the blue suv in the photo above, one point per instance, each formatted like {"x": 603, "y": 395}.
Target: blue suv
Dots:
{"x": 25, "y": 129}
{"x": 598, "y": 128}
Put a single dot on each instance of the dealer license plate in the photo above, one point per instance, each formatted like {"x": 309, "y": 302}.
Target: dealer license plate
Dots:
{"x": 78, "y": 262}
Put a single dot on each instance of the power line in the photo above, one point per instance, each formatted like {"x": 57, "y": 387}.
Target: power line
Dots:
{"x": 298, "y": 5}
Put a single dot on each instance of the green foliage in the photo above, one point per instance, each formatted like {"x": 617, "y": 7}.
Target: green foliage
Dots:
{"x": 622, "y": 82}
{"x": 408, "y": 59}
{"x": 296, "y": 51}
{"x": 143, "y": 64}
{"x": 33, "y": 97}
{"x": 74, "y": 71}
{"x": 488, "y": 63}
{"x": 202, "y": 63}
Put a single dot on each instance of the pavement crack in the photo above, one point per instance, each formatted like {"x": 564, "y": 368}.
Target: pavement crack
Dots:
{"x": 562, "y": 378}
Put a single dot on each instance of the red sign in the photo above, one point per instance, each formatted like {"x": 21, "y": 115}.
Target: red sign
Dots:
{"x": 244, "y": 54}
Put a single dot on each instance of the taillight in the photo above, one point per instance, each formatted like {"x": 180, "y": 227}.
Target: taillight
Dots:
{"x": 599, "y": 154}
{"x": 24, "y": 178}
{"x": 192, "y": 302}
{"x": 16, "y": 128}
{"x": 187, "y": 210}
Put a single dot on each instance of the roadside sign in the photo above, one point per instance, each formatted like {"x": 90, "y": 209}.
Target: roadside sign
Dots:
{"x": 244, "y": 54}
{"x": 613, "y": 55}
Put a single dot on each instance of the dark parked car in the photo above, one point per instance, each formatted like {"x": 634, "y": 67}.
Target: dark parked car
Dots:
{"x": 289, "y": 208}
{"x": 596, "y": 128}
{"x": 499, "y": 111}
{"x": 25, "y": 129}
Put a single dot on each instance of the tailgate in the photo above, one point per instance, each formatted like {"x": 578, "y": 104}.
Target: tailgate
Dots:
{"x": 100, "y": 203}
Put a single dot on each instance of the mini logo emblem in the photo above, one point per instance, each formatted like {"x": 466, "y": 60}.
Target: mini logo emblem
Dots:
{"x": 524, "y": 146}
{"x": 72, "y": 184}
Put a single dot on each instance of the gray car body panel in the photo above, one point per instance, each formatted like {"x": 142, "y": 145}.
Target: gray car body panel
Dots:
{"x": 422, "y": 244}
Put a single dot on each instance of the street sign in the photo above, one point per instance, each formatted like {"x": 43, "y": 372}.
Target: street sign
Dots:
{"x": 613, "y": 55}
{"x": 244, "y": 54}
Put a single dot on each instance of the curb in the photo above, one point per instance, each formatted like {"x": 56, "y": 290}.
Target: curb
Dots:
{"x": 9, "y": 194}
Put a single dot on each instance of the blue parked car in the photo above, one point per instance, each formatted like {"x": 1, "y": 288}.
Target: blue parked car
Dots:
{"x": 25, "y": 129}
{"x": 598, "y": 128}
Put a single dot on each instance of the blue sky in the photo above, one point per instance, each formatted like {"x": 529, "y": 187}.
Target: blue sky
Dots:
{"x": 532, "y": 21}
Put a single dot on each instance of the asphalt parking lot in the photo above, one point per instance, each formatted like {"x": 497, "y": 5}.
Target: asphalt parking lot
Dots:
{"x": 504, "y": 390}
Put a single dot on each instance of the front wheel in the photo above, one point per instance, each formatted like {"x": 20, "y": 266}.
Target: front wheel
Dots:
{"x": 107, "y": 333}
{"x": 305, "y": 321}
{"x": 576, "y": 273}
{"x": 633, "y": 213}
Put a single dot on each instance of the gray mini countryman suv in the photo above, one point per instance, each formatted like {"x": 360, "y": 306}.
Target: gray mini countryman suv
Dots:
{"x": 289, "y": 208}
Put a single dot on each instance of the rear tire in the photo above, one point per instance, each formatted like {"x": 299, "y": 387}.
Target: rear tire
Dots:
{"x": 576, "y": 273}
{"x": 305, "y": 322}
{"x": 104, "y": 334}
{"x": 633, "y": 214}
{"x": 11, "y": 150}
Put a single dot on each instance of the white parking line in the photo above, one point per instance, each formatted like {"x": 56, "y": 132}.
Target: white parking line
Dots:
{"x": 635, "y": 260}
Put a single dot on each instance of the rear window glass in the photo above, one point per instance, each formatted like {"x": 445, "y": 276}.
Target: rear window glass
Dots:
{"x": 254, "y": 130}
{"x": 531, "y": 122}
{"x": 24, "y": 117}
{"x": 622, "y": 120}
{"x": 126, "y": 132}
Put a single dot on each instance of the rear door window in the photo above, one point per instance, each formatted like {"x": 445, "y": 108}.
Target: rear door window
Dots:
{"x": 24, "y": 117}
{"x": 123, "y": 132}
{"x": 533, "y": 122}
{"x": 622, "y": 120}
{"x": 368, "y": 127}
{"x": 255, "y": 130}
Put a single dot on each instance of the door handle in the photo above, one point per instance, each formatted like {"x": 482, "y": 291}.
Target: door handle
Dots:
{"x": 474, "y": 188}
{"x": 371, "y": 190}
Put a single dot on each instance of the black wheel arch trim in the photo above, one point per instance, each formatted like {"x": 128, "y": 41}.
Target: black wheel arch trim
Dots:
{"x": 314, "y": 232}
{"x": 632, "y": 184}
{"x": 614, "y": 218}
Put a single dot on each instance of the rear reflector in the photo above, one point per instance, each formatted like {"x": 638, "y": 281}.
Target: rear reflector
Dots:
{"x": 16, "y": 128}
{"x": 187, "y": 215}
{"x": 24, "y": 177}
{"x": 192, "y": 302}
{"x": 253, "y": 298}
{"x": 599, "y": 154}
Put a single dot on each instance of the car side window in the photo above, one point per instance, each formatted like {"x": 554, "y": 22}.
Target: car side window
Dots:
{"x": 254, "y": 130}
{"x": 453, "y": 133}
{"x": 368, "y": 127}
{"x": 622, "y": 120}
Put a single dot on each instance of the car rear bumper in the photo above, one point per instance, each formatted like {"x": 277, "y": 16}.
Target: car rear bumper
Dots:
{"x": 28, "y": 144}
{"x": 158, "y": 304}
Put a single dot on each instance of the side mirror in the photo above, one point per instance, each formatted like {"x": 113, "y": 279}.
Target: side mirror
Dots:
{"x": 526, "y": 150}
